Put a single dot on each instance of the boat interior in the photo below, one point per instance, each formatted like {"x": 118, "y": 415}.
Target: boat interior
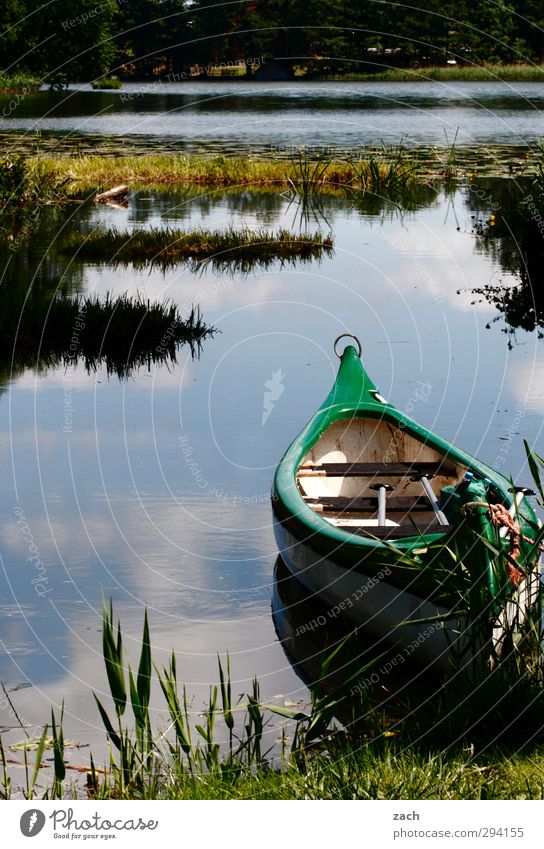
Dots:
{"x": 370, "y": 477}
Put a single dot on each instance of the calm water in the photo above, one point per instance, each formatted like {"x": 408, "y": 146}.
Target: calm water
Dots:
{"x": 237, "y": 116}
{"x": 154, "y": 491}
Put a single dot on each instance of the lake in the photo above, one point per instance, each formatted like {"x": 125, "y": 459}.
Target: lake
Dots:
{"x": 237, "y": 117}
{"x": 154, "y": 490}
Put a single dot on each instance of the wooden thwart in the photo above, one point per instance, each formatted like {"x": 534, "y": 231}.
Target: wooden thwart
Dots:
{"x": 344, "y": 470}
{"x": 395, "y": 504}
{"x": 405, "y": 529}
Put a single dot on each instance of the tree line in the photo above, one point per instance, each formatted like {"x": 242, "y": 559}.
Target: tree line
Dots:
{"x": 83, "y": 39}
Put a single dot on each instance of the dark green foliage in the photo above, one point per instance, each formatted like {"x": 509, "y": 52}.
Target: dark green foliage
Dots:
{"x": 70, "y": 40}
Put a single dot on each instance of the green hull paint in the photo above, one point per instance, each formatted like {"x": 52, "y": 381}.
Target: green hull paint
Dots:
{"x": 354, "y": 395}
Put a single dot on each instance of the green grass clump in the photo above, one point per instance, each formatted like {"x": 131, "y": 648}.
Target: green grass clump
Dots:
{"x": 107, "y": 83}
{"x": 326, "y": 174}
{"x": 240, "y": 250}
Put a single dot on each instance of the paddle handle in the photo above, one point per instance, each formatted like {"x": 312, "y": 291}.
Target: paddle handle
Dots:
{"x": 429, "y": 492}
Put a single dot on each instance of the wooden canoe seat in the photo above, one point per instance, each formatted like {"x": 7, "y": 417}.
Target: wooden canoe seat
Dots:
{"x": 405, "y": 529}
{"x": 344, "y": 470}
{"x": 395, "y": 504}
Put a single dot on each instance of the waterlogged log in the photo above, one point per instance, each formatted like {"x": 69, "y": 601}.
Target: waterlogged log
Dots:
{"x": 117, "y": 197}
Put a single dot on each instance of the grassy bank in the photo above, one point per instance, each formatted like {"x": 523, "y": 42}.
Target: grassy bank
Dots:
{"x": 240, "y": 250}
{"x": 18, "y": 82}
{"x": 448, "y": 73}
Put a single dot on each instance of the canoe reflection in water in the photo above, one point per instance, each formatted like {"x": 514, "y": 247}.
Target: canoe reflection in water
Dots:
{"x": 310, "y": 633}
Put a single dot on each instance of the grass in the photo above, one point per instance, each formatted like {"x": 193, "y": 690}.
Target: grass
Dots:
{"x": 448, "y": 73}
{"x": 20, "y": 81}
{"x": 239, "y": 250}
{"x": 326, "y": 174}
{"x": 394, "y": 173}
{"x": 121, "y": 333}
{"x": 460, "y": 742}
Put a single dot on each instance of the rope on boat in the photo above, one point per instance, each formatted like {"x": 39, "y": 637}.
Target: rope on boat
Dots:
{"x": 501, "y": 518}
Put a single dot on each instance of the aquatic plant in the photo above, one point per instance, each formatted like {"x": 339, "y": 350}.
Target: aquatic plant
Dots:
{"x": 394, "y": 174}
{"x": 451, "y": 740}
{"x": 304, "y": 172}
{"x": 237, "y": 250}
{"x": 456, "y": 738}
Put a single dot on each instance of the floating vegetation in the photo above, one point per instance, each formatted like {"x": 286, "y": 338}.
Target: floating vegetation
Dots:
{"x": 81, "y": 172}
{"x": 119, "y": 333}
{"x": 237, "y": 250}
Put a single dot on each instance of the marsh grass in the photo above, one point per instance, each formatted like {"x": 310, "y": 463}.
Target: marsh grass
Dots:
{"x": 120, "y": 333}
{"x": 304, "y": 172}
{"x": 459, "y": 743}
{"x": 236, "y": 250}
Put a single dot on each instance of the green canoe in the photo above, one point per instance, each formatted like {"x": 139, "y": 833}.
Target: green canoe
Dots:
{"x": 400, "y": 532}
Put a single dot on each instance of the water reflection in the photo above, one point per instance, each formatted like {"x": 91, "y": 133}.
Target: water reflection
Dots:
{"x": 46, "y": 322}
{"x": 507, "y": 227}
{"x": 310, "y": 635}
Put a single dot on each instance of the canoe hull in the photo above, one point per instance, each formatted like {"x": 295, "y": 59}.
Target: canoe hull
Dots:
{"x": 383, "y": 574}
{"x": 370, "y": 602}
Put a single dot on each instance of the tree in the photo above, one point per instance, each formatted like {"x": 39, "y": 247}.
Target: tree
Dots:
{"x": 146, "y": 31}
{"x": 13, "y": 41}
{"x": 528, "y": 26}
{"x": 73, "y": 38}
